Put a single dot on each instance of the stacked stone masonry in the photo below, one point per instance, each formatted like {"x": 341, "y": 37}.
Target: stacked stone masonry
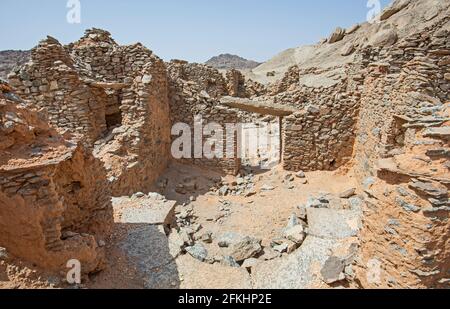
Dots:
{"x": 54, "y": 198}
{"x": 384, "y": 116}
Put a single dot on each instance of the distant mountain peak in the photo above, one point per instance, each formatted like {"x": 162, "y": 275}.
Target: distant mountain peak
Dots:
{"x": 229, "y": 61}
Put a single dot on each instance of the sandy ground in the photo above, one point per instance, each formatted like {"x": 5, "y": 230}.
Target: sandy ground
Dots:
{"x": 262, "y": 216}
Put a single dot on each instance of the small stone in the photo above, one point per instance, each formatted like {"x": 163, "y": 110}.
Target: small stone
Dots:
{"x": 349, "y": 272}
{"x": 187, "y": 239}
{"x": 302, "y": 214}
{"x": 289, "y": 178}
{"x": 269, "y": 254}
{"x": 293, "y": 221}
{"x": 337, "y": 35}
{"x": 300, "y": 174}
{"x": 348, "y": 49}
{"x": 316, "y": 203}
{"x": 198, "y": 251}
{"x": 68, "y": 234}
{"x": 296, "y": 234}
{"x": 229, "y": 239}
{"x": 250, "y": 263}
{"x": 333, "y": 269}
{"x": 229, "y": 261}
{"x": 407, "y": 206}
{"x": 223, "y": 191}
{"x": 207, "y": 237}
{"x": 292, "y": 246}
{"x": 138, "y": 195}
{"x": 267, "y": 188}
{"x": 146, "y": 79}
{"x": 247, "y": 248}
{"x": 54, "y": 85}
{"x": 281, "y": 248}
{"x": 348, "y": 193}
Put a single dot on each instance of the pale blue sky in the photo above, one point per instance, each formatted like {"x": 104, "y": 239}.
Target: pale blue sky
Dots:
{"x": 193, "y": 30}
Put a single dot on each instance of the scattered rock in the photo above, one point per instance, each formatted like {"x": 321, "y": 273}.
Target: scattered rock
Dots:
{"x": 337, "y": 35}
{"x": 333, "y": 269}
{"x": 229, "y": 261}
{"x": 348, "y": 49}
{"x": 384, "y": 38}
{"x": 246, "y": 248}
{"x": 393, "y": 9}
{"x": 138, "y": 195}
{"x": 281, "y": 248}
{"x": 296, "y": 234}
{"x": 317, "y": 203}
{"x": 353, "y": 29}
{"x": 266, "y": 188}
{"x": 300, "y": 175}
{"x": 348, "y": 193}
{"x": 269, "y": 254}
{"x": 293, "y": 221}
{"x": 250, "y": 263}
{"x": 198, "y": 251}
{"x": 207, "y": 237}
{"x": 228, "y": 239}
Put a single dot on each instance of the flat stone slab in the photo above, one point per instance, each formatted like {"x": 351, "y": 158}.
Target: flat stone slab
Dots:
{"x": 299, "y": 270}
{"x": 332, "y": 223}
{"x": 143, "y": 210}
{"x": 147, "y": 248}
{"x": 259, "y": 107}
{"x": 441, "y": 132}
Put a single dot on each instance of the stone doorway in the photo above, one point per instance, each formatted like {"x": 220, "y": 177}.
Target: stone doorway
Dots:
{"x": 261, "y": 144}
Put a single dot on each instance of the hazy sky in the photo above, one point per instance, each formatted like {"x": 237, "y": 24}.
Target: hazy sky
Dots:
{"x": 193, "y": 30}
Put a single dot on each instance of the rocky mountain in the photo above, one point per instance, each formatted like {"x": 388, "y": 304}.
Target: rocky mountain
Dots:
{"x": 227, "y": 61}
{"x": 397, "y": 21}
{"x": 10, "y": 58}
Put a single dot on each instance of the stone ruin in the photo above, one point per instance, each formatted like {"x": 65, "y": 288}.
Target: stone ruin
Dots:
{"x": 115, "y": 97}
{"x": 54, "y": 196}
{"x": 384, "y": 116}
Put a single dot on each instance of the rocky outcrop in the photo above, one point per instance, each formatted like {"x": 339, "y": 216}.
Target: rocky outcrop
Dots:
{"x": 9, "y": 59}
{"x": 228, "y": 62}
{"x": 337, "y": 35}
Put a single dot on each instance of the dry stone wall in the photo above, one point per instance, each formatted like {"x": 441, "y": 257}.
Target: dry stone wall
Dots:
{"x": 115, "y": 97}
{"x": 402, "y": 160}
{"x": 321, "y": 135}
{"x": 51, "y": 81}
{"x": 54, "y": 197}
{"x": 195, "y": 90}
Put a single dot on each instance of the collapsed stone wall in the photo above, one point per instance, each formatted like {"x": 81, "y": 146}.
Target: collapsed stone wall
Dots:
{"x": 239, "y": 86}
{"x": 52, "y": 208}
{"x": 321, "y": 135}
{"x": 402, "y": 160}
{"x": 195, "y": 90}
{"x": 319, "y": 138}
{"x": 115, "y": 96}
{"x": 137, "y": 153}
{"x": 51, "y": 81}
